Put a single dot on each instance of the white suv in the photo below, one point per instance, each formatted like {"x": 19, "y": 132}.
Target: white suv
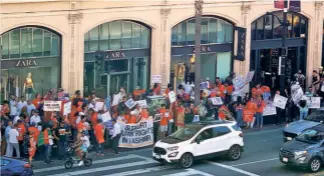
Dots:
{"x": 200, "y": 140}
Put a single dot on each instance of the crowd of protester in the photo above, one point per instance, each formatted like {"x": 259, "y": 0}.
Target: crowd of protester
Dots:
{"x": 27, "y": 130}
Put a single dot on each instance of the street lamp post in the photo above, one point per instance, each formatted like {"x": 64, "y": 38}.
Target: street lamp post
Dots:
{"x": 198, "y": 9}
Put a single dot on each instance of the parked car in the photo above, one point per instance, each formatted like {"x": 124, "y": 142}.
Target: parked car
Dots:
{"x": 293, "y": 129}
{"x": 200, "y": 140}
{"x": 306, "y": 150}
{"x": 15, "y": 167}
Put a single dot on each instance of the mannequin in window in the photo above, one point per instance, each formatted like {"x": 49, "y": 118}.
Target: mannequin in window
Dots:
{"x": 28, "y": 87}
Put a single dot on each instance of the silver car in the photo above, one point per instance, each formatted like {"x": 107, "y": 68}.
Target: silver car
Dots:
{"x": 306, "y": 150}
{"x": 293, "y": 129}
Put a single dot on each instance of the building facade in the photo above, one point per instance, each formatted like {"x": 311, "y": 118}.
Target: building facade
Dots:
{"x": 105, "y": 45}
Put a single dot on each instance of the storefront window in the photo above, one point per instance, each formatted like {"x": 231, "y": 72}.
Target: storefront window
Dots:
{"x": 30, "y": 51}
{"x": 270, "y": 27}
{"x": 213, "y": 30}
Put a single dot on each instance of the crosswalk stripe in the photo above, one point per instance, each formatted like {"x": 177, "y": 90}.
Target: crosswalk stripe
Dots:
{"x": 94, "y": 162}
{"x": 232, "y": 168}
{"x": 106, "y": 168}
{"x": 190, "y": 172}
{"x": 139, "y": 171}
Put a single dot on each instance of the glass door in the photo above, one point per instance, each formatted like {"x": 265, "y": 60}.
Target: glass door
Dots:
{"x": 117, "y": 81}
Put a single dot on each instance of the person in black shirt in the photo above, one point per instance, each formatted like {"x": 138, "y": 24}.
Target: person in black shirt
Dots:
{"x": 61, "y": 134}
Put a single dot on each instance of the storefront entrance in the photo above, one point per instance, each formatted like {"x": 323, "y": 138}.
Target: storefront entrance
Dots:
{"x": 31, "y": 62}
{"x": 266, "y": 35}
{"x": 117, "y": 55}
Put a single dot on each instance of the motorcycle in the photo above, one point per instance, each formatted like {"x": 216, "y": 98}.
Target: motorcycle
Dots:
{"x": 71, "y": 160}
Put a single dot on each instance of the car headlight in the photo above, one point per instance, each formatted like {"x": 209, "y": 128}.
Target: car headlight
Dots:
{"x": 172, "y": 148}
{"x": 301, "y": 153}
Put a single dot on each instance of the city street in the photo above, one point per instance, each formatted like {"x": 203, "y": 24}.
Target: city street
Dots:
{"x": 260, "y": 158}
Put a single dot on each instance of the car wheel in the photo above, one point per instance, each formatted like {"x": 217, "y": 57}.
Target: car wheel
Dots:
{"x": 186, "y": 160}
{"x": 87, "y": 162}
{"x": 315, "y": 164}
{"x": 68, "y": 164}
{"x": 235, "y": 152}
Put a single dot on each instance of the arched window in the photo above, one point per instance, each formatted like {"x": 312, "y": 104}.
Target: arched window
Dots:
{"x": 28, "y": 42}
{"x": 117, "y": 35}
{"x": 270, "y": 27}
{"x": 213, "y": 30}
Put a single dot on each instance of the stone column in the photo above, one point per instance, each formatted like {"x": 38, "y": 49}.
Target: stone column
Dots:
{"x": 318, "y": 34}
{"x": 75, "y": 63}
{"x": 244, "y": 66}
{"x": 166, "y": 47}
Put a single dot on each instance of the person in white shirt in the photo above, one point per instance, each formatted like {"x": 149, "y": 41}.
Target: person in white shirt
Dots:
{"x": 14, "y": 110}
{"x": 115, "y": 136}
{"x": 21, "y": 104}
{"x": 13, "y": 142}
{"x": 35, "y": 118}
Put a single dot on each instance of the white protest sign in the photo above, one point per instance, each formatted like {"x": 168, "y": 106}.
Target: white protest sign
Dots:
{"x": 142, "y": 103}
{"x": 156, "y": 79}
{"x": 270, "y": 109}
{"x": 316, "y": 102}
{"x": 249, "y": 77}
{"x": 67, "y": 108}
{"x": 105, "y": 117}
{"x": 130, "y": 103}
{"x": 172, "y": 97}
{"x": 204, "y": 85}
{"x": 116, "y": 99}
{"x": 196, "y": 118}
{"x": 280, "y": 101}
{"x": 216, "y": 100}
{"x": 297, "y": 95}
{"x": 137, "y": 135}
{"x": 52, "y": 105}
{"x": 99, "y": 105}
{"x": 239, "y": 83}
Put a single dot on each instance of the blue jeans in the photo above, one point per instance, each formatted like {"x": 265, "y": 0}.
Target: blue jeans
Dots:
{"x": 303, "y": 115}
{"x": 259, "y": 119}
{"x": 99, "y": 148}
{"x": 239, "y": 118}
{"x": 47, "y": 152}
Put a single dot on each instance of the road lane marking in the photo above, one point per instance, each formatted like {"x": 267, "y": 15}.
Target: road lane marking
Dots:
{"x": 260, "y": 161}
{"x": 190, "y": 172}
{"x": 106, "y": 168}
{"x": 232, "y": 168}
{"x": 140, "y": 171}
{"x": 94, "y": 162}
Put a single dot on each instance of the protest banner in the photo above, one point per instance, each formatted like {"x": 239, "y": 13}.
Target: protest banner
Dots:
{"x": 172, "y": 97}
{"x": 239, "y": 83}
{"x": 216, "y": 100}
{"x": 67, "y": 108}
{"x": 156, "y": 79}
{"x": 142, "y": 103}
{"x": 249, "y": 77}
{"x": 297, "y": 95}
{"x": 52, "y": 106}
{"x": 316, "y": 102}
{"x": 204, "y": 85}
{"x": 137, "y": 135}
{"x": 116, "y": 99}
{"x": 280, "y": 101}
{"x": 270, "y": 109}
{"x": 130, "y": 103}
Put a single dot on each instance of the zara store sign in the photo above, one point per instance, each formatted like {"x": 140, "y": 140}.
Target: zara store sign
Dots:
{"x": 26, "y": 63}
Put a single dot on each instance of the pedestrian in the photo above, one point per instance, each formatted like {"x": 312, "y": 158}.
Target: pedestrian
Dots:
{"x": 47, "y": 145}
{"x": 165, "y": 117}
{"x": 35, "y": 118}
{"x": 21, "y": 138}
{"x": 32, "y": 147}
{"x": 239, "y": 114}
{"x": 7, "y": 130}
{"x": 99, "y": 132}
{"x": 259, "y": 113}
{"x": 300, "y": 78}
{"x": 30, "y": 108}
{"x": 13, "y": 141}
{"x": 115, "y": 136}
{"x": 315, "y": 81}
{"x": 303, "y": 109}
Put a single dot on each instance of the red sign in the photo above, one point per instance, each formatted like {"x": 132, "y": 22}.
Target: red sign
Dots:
{"x": 279, "y": 4}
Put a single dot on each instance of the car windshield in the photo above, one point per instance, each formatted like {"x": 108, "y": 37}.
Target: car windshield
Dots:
{"x": 316, "y": 116}
{"x": 311, "y": 136}
{"x": 186, "y": 133}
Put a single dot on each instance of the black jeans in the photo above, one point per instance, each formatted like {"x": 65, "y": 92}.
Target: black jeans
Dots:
{"x": 115, "y": 142}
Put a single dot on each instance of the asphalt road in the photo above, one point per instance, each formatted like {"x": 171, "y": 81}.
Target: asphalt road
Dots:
{"x": 259, "y": 159}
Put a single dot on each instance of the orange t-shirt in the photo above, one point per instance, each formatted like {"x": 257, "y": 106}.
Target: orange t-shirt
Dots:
{"x": 99, "y": 133}
{"x": 46, "y": 137}
{"x": 35, "y": 102}
{"x": 94, "y": 119}
{"x": 230, "y": 89}
{"x": 266, "y": 89}
{"x": 79, "y": 107}
{"x": 222, "y": 88}
{"x": 35, "y": 133}
{"x": 213, "y": 94}
{"x": 221, "y": 114}
{"x": 251, "y": 106}
{"x": 164, "y": 118}
{"x": 132, "y": 120}
{"x": 145, "y": 114}
{"x": 167, "y": 91}
{"x": 22, "y": 130}
{"x": 248, "y": 115}
{"x": 261, "y": 108}
{"x": 80, "y": 126}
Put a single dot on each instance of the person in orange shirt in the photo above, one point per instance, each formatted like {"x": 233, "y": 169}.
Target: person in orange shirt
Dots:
{"x": 248, "y": 117}
{"x": 80, "y": 125}
{"x": 259, "y": 112}
{"x": 33, "y": 130}
{"x": 94, "y": 117}
{"x": 252, "y": 107}
{"x": 137, "y": 93}
{"x": 47, "y": 146}
{"x": 37, "y": 100}
{"x": 222, "y": 112}
{"x": 165, "y": 117}
{"x": 168, "y": 89}
{"x": 32, "y": 147}
{"x": 145, "y": 114}
{"x": 22, "y": 131}
{"x": 99, "y": 132}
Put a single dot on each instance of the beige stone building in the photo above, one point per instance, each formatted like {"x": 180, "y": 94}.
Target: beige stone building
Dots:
{"x": 79, "y": 44}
